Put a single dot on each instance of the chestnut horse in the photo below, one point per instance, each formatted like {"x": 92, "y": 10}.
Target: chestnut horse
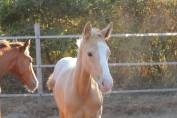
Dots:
{"x": 78, "y": 83}
{"x": 15, "y": 58}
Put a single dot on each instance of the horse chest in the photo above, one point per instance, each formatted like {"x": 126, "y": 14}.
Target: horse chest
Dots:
{"x": 84, "y": 111}
{"x": 94, "y": 101}
{"x": 81, "y": 107}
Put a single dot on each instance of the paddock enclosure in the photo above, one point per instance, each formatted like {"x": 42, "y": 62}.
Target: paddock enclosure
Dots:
{"x": 157, "y": 102}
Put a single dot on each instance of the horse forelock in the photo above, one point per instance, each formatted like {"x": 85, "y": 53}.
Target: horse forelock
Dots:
{"x": 94, "y": 33}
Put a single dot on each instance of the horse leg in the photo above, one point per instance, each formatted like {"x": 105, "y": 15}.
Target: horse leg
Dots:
{"x": 100, "y": 112}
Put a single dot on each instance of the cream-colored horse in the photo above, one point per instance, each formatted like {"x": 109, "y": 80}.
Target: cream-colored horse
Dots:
{"x": 78, "y": 83}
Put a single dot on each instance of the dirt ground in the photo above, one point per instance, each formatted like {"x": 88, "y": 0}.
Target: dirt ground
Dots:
{"x": 115, "y": 106}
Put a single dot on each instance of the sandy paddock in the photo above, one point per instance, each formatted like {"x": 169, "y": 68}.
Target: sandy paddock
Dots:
{"x": 115, "y": 106}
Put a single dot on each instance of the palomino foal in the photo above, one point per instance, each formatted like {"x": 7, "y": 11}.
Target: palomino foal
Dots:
{"x": 78, "y": 83}
{"x": 15, "y": 58}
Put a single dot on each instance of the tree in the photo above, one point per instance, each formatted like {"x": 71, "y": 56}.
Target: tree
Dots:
{"x": 58, "y": 17}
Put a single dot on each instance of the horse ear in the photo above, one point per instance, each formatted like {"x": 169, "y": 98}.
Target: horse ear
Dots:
{"x": 107, "y": 31}
{"x": 26, "y": 45}
{"x": 87, "y": 30}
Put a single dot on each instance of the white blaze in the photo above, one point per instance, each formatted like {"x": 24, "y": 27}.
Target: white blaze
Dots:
{"x": 106, "y": 81}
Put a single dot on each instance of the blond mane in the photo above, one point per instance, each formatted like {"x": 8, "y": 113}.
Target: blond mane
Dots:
{"x": 94, "y": 33}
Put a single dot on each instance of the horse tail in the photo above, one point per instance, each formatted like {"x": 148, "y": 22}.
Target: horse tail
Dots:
{"x": 50, "y": 82}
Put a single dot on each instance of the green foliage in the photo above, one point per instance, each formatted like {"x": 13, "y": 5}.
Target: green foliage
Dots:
{"x": 59, "y": 17}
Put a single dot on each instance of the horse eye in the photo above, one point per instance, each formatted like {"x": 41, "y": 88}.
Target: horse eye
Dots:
{"x": 90, "y": 54}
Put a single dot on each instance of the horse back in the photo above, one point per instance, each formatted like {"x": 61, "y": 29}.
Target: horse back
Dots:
{"x": 64, "y": 65}
{"x": 62, "y": 76}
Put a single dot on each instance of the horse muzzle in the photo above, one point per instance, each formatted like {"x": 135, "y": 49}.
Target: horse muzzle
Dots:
{"x": 106, "y": 85}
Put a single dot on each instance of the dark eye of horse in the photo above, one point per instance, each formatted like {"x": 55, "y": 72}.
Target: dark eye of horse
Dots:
{"x": 90, "y": 54}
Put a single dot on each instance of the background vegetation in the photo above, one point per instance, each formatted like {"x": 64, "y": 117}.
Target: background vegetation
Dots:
{"x": 59, "y": 17}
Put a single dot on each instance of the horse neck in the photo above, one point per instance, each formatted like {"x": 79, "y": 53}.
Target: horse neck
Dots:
{"x": 82, "y": 77}
{"x": 7, "y": 60}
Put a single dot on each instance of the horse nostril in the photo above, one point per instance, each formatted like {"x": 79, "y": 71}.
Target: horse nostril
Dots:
{"x": 102, "y": 83}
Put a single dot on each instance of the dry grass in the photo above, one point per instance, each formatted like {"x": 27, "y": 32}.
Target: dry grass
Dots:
{"x": 115, "y": 106}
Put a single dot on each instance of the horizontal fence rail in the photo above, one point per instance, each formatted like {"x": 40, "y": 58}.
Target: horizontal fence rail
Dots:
{"x": 143, "y": 64}
{"x": 39, "y": 66}
{"x": 77, "y": 36}
{"x": 120, "y": 64}
{"x": 147, "y": 91}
